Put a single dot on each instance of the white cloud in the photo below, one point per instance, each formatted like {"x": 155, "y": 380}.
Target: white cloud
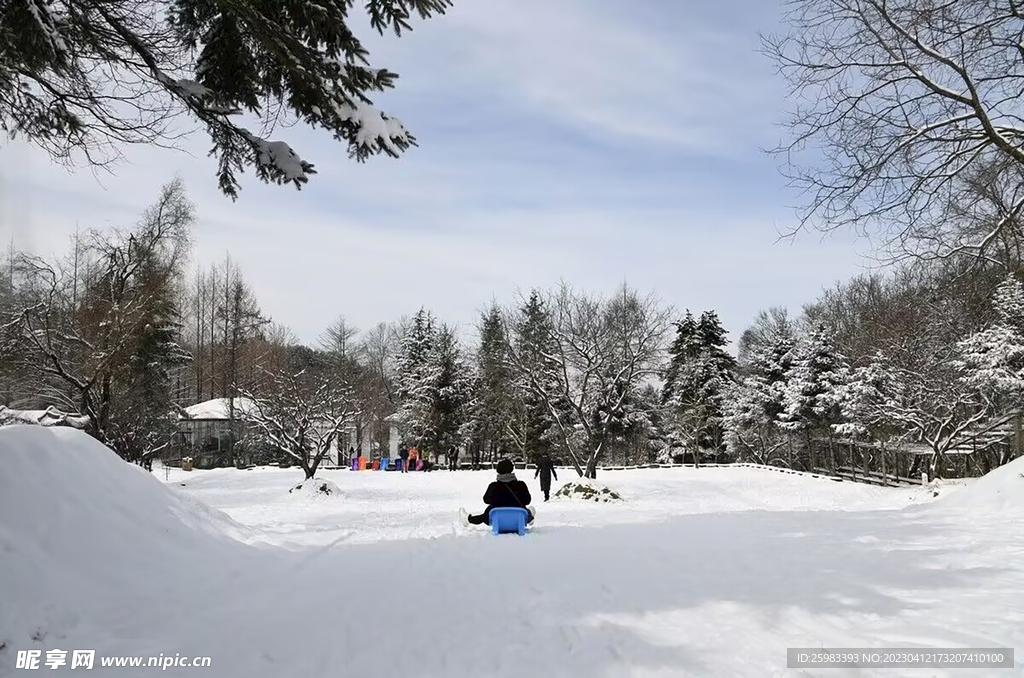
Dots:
{"x": 699, "y": 86}
{"x": 478, "y": 210}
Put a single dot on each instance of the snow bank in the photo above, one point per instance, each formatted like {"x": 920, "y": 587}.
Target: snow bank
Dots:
{"x": 316, "y": 488}
{"x": 998, "y": 491}
{"x": 73, "y": 497}
{"x": 81, "y": 530}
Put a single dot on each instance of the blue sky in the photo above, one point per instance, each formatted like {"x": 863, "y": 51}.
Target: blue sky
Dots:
{"x": 593, "y": 141}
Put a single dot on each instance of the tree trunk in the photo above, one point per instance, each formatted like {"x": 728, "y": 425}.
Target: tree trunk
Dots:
{"x": 915, "y": 466}
{"x": 934, "y": 466}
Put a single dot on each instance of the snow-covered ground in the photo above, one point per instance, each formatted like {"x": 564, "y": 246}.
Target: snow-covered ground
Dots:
{"x": 380, "y": 506}
{"x": 698, "y": 572}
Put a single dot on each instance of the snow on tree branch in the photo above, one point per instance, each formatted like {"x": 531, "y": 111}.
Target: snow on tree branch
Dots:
{"x": 82, "y": 81}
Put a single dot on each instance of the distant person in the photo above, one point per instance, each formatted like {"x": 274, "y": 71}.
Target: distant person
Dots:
{"x": 414, "y": 457}
{"x": 545, "y": 469}
{"x": 453, "y": 458}
{"x": 403, "y": 454}
{"x": 505, "y": 492}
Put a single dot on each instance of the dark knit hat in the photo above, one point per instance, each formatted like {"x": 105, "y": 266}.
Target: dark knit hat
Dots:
{"x": 505, "y": 466}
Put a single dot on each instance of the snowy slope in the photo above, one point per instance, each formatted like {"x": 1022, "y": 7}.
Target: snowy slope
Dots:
{"x": 85, "y": 535}
{"x": 1000, "y": 492}
{"x": 697, "y": 573}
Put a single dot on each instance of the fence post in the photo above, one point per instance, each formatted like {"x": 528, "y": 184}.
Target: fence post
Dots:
{"x": 881, "y": 455}
{"x": 1017, "y": 442}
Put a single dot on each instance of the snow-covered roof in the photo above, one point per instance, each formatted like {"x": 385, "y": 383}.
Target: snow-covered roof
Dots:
{"x": 51, "y": 416}
{"x": 218, "y": 408}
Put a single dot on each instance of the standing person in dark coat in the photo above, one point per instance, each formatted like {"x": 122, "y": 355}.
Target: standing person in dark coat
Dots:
{"x": 545, "y": 469}
{"x": 506, "y": 491}
{"x": 403, "y": 454}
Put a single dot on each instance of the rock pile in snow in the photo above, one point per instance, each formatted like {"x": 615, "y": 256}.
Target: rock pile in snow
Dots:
{"x": 588, "y": 490}
{"x": 316, "y": 488}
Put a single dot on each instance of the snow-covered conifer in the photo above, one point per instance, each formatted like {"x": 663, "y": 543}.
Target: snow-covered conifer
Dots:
{"x": 992, "y": 359}
{"x": 812, "y": 397}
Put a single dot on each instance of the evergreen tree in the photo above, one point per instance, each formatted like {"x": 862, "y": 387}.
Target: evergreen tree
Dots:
{"x": 813, "y": 396}
{"x": 755, "y": 403}
{"x": 992, "y": 360}
{"x": 414, "y": 378}
{"x": 813, "y": 391}
{"x": 142, "y": 428}
{"x": 869, "y": 400}
{"x": 684, "y": 349}
{"x": 713, "y": 341}
{"x": 496, "y": 383}
{"x": 60, "y": 62}
{"x": 450, "y": 384}
{"x": 535, "y": 346}
{"x": 700, "y": 370}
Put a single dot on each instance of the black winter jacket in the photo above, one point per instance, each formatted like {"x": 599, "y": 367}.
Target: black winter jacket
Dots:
{"x": 515, "y": 494}
{"x": 545, "y": 469}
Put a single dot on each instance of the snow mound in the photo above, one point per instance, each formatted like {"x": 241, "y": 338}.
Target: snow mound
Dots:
{"x": 316, "y": 488}
{"x": 73, "y": 497}
{"x": 81, "y": 529}
{"x": 588, "y": 490}
{"x": 998, "y": 491}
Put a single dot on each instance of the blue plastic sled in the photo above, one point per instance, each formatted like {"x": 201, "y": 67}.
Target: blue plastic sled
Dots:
{"x": 508, "y": 520}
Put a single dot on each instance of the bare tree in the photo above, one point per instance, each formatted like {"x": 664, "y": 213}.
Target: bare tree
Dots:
{"x": 603, "y": 351}
{"x": 339, "y": 338}
{"x": 108, "y": 354}
{"x": 379, "y": 350}
{"x": 303, "y": 414}
{"x": 927, "y": 403}
{"x": 902, "y": 106}
{"x": 769, "y": 326}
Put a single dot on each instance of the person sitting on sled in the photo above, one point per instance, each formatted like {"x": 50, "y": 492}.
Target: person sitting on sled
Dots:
{"x": 506, "y": 491}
